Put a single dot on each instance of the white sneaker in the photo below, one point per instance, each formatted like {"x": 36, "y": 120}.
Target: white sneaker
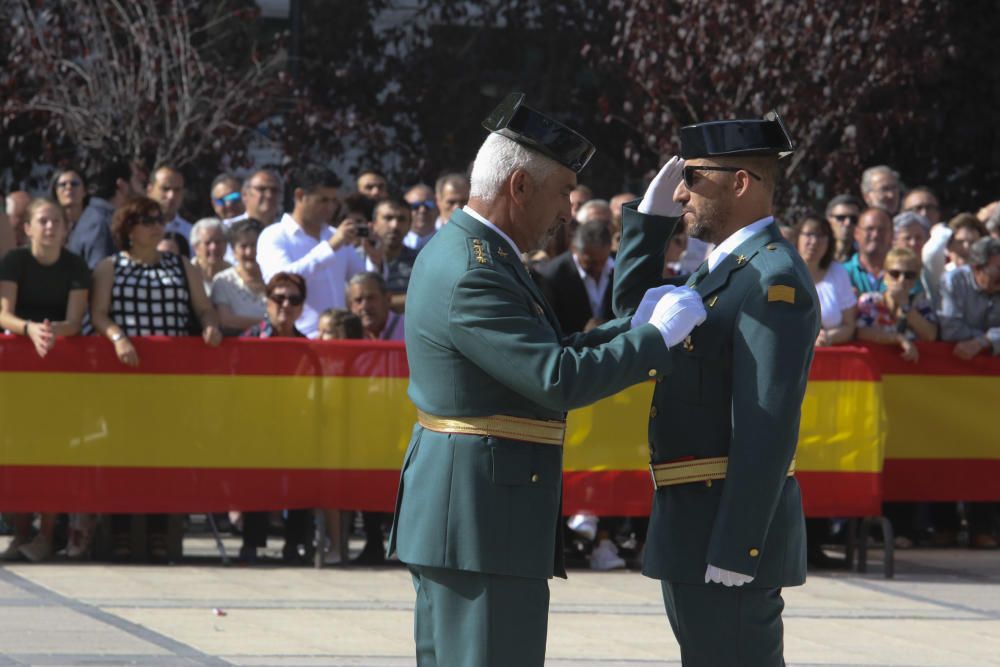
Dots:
{"x": 79, "y": 544}
{"x": 37, "y": 549}
{"x": 584, "y": 525}
{"x": 605, "y": 557}
{"x": 13, "y": 551}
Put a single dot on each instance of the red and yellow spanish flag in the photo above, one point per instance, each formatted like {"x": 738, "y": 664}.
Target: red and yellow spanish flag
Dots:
{"x": 260, "y": 424}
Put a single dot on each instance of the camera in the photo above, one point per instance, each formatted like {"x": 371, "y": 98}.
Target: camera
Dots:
{"x": 363, "y": 231}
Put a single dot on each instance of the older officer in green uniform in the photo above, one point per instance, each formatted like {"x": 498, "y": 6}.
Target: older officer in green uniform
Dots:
{"x": 478, "y": 510}
{"x": 727, "y": 530}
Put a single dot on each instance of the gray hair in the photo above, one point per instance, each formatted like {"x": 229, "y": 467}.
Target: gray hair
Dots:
{"x": 983, "y": 250}
{"x": 868, "y": 175}
{"x": 226, "y": 177}
{"x": 993, "y": 223}
{"x": 369, "y": 276}
{"x": 843, "y": 200}
{"x": 452, "y": 179}
{"x": 590, "y": 204}
{"x": 205, "y": 225}
{"x": 498, "y": 158}
{"x": 593, "y": 234}
{"x": 907, "y": 218}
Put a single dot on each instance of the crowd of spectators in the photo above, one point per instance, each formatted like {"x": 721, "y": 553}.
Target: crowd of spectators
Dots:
{"x": 297, "y": 256}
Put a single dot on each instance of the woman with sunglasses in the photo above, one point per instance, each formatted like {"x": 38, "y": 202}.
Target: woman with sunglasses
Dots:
{"x": 894, "y": 317}
{"x": 70, "y": 191}
{"x": 286, "y": 294}
{"x": 144, "y": 292}
{"x": 838, "y": 304}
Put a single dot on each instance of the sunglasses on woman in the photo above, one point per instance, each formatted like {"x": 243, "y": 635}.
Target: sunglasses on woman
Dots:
{"x": 895, "y": 274}
{"x": 287, "y": 299}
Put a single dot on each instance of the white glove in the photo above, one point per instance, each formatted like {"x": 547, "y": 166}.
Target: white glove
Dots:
{"x": 648, "y": 303}
{"x": 725, "y": 577}
{"x": 677, "y": 313}
{"x": 659, "y": 197}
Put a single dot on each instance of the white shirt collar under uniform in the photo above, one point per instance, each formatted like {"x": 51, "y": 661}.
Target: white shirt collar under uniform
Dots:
{"x": 595, "y": 288}
{"x": 727, "y": 247}
{"x": 489, "y": 224}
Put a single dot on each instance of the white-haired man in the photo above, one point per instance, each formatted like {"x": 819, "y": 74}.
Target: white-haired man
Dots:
{"x": 478, "y": 512}
{"x": 881, "y": 188}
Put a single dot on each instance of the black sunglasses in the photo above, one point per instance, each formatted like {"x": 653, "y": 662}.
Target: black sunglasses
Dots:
{"x": 151, "y": 220}
{"x": 689, "y": 178}
{"x": 427, "y": 203}
{"x": 848, "y": 218}
{"x": 896, "y": 273}
{"x": 290, "y": 299}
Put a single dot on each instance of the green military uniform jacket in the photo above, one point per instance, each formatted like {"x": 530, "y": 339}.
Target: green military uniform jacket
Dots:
{"x": 735, "y": 390}
{"x": 481, "y": 340}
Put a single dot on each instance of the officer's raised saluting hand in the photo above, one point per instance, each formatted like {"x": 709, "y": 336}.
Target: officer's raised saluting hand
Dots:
{"x": 659, "y": 197}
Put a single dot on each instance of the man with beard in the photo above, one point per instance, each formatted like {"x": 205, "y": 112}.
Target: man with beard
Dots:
{"x": 393, "y": 260}
{"x": 726, "y": 532}
{"x": 478, "y": 517}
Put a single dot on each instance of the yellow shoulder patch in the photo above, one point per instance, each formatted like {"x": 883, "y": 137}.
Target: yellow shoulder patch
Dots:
{"x": 781, "y": 293}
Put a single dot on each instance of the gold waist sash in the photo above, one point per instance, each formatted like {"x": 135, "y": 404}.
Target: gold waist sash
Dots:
{"x": 538, "y": 431}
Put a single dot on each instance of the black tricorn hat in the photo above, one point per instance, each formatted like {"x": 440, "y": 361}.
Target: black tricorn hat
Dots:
{"x": 519, "y": 122}
{"x": 737, "y": 137}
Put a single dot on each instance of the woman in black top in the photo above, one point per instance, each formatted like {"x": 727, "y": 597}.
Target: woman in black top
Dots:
{"x": 43, "y": 295}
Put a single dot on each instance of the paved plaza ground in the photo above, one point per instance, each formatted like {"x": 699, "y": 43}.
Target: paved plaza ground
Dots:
{"x": 943, "y": 608}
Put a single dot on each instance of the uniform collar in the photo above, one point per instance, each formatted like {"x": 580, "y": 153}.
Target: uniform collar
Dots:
{"x": 473, "y": 213}
{"x": 735, "y": 240}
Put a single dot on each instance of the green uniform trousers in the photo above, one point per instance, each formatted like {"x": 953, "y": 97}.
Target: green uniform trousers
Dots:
{"x": 718, "y": 626}
{"x": 472, "y": 619}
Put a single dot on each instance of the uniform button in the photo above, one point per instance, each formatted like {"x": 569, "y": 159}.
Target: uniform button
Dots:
{"x": 754, "y": 553}
{"x": 652, "y": 372}
{"x": 708, "y": 482}
{"x": 534, "y": 477}
{"x": 652, "y": 411}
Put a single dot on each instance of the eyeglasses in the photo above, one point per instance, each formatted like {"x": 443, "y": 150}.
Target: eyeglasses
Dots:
{"x": 290, "y": 299}
{"x": 896, "y": 274}
{"x": 846, "y": 218}
{"x": 69, "y": 184}
{"x": 689, "y": 177}
{"x": 231, "y": 198}
{"x": 924, "y": 207}
{"x": 427, "y": 203}
{"x": 151, "y": 220}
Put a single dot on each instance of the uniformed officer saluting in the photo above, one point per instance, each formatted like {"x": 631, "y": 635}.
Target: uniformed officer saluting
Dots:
{"x": 478, "y": 511}
{"x": 726, "y": 530}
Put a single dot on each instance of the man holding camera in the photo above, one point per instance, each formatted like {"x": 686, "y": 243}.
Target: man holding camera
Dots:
{"x": 303, "y": 242}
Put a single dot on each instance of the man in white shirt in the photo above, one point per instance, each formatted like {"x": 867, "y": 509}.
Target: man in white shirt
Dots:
{"x": 303, "y": 242}
{"x": 167, "y": 188}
